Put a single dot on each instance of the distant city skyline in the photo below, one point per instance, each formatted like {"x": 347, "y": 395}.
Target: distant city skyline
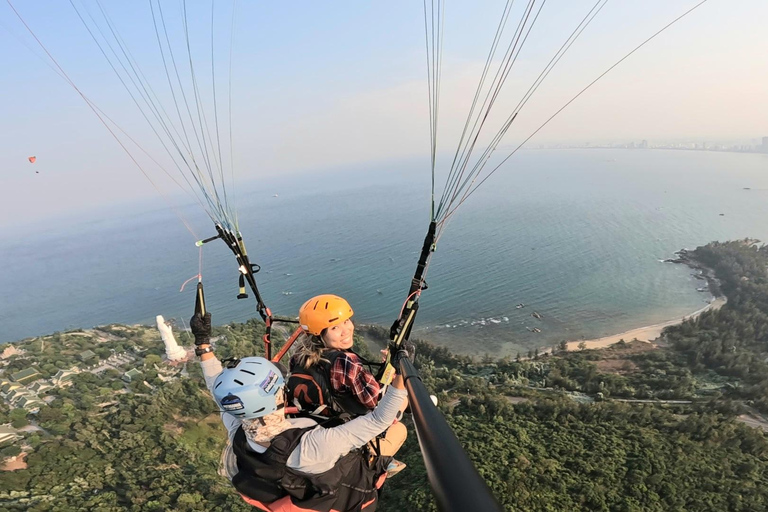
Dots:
{"x": 756, "y": 145}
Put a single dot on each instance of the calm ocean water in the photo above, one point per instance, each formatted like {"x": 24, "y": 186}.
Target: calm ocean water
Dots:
{"x": 576, "y": 235}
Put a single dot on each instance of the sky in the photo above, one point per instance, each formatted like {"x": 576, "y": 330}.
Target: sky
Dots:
{"x": 324, "y": 86}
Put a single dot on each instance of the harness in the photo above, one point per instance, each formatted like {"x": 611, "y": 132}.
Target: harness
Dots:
{"x": 264, "y": 480}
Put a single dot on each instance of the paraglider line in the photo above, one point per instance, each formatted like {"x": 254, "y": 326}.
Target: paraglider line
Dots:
{"x": 483, "y": 160}
{"x": 499, "y": 80}
{"x": 198, "y": 277}
{"x": 625, "y": 57}
{"x": 95, "y": 111}
{"x": 509, "y": 59}
{"x": 145, "y": 96}
{"x": 481, "y": 82}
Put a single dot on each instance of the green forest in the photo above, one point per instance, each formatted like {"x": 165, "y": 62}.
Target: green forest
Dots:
{"x": 629, "y": 428}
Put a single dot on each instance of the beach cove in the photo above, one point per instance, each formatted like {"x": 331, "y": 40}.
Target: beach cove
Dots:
{"x": 653, "y": 332}
{"x": 648, "y": 333}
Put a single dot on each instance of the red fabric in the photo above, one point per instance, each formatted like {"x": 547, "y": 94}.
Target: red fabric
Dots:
{"x": 286, "y": 505}
{"x": 348, "y": 373}
{"x": 381, "y": 480}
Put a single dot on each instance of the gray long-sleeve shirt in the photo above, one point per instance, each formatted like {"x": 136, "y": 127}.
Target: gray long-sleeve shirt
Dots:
{"x": 319, "y": 449}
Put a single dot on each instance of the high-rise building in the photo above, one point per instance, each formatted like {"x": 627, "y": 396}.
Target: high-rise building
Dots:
{"x": 172, "y": 349}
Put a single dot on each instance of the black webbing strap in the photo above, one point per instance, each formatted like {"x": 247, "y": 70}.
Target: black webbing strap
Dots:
{"x": 401, "y": 328}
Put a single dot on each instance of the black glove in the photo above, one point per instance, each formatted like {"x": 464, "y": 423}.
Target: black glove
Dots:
{"x": 201, "y": 328}
{"x": 405, "y": 350}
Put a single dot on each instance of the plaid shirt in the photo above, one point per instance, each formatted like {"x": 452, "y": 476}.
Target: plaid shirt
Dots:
{"x": 348, "y": 373}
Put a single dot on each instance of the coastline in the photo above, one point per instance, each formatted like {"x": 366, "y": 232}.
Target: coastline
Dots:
{"x": 646, "y": 334}
{"x": 650, "y": 333}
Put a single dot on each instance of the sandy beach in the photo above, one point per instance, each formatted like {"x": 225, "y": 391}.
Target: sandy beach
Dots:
{"x": 647, "y": 333}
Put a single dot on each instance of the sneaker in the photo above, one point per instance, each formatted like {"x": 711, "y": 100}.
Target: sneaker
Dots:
{"x": 395, "y": 467}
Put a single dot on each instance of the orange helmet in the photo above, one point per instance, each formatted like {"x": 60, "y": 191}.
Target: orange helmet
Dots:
{"x": 322, "y": 312}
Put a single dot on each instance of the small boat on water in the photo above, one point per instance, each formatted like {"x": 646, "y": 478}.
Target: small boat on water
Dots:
{"x": 533, "y": 329}
{"x": 520, "y": 306}
{"x": 536, "y": 315}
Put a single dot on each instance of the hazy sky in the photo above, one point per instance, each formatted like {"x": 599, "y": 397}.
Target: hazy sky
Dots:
{"x": 323, "y": 85}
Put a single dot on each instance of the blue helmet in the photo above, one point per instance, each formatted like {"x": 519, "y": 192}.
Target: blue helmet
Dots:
{"x": 249, "y": 389}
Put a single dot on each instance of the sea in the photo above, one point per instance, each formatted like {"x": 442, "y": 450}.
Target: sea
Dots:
{"x": 578, "y": 236}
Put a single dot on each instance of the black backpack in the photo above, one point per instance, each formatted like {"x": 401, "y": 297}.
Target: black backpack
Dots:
{"x": 350, "y": 485}
{"x": 309, "y": 389}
